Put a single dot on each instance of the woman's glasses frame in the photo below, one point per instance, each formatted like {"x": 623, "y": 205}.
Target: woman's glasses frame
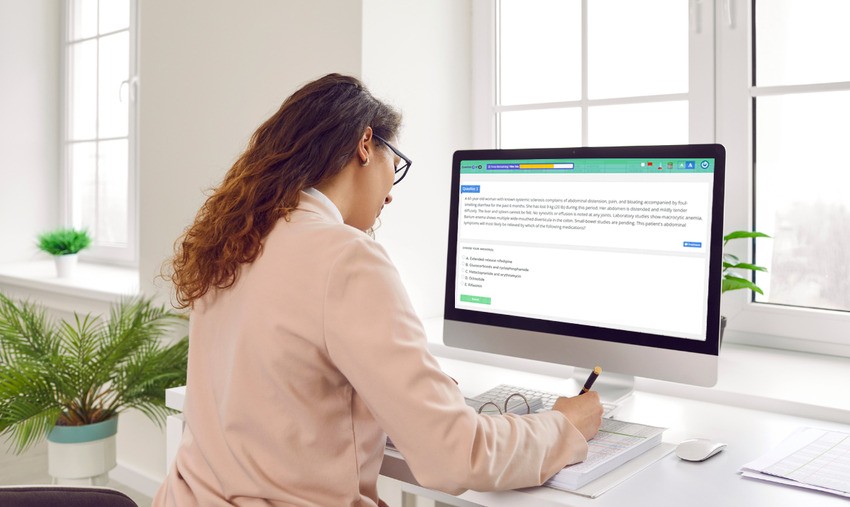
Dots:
{"x": 406, "y": 162}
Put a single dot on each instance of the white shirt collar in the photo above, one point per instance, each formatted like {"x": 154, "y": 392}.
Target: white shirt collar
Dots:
{"x": 322, "y": 197}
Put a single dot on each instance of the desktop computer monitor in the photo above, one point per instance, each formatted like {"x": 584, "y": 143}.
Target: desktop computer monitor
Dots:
{"x": 590, "y": 256}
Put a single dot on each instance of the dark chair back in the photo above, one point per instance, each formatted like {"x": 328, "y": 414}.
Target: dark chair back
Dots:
{"x": 64, "y": 496}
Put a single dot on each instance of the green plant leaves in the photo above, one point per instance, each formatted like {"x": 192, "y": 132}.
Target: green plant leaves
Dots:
{"x": 28, "y": 408}
{"x": 25, "y": 331}
{"x": 743, "y": 234}
{"x": 744, "y": 265}
{"x": 730, "y": 262}
{"x": 64, "y": 241}
{"x": 732, "y": 282}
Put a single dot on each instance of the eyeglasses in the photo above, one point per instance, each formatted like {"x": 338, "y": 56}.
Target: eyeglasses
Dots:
{"x": 514, "y": 407}
{"x": 406, "y": 162}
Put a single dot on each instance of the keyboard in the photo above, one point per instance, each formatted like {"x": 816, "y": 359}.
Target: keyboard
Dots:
{"x": 499, "y": 394}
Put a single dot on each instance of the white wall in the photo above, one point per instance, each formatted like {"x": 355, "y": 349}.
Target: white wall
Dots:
{"x": 210, "y": 72}
{"x": 417, "y": 56}
{"x": 29, "y": 123}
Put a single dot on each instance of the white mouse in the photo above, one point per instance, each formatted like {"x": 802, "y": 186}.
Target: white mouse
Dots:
{"x": 698, "y": 449}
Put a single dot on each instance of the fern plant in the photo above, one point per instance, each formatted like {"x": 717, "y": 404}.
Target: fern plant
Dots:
{"x": 64, "y": 241}
{"x": 85, "y": 371}
{"x": 731, "y": 280}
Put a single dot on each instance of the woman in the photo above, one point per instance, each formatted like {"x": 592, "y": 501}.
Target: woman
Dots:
{"x": 305, "y": 349}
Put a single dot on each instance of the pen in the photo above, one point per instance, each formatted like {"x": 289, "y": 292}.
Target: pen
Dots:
{"x": 591, "y": 379}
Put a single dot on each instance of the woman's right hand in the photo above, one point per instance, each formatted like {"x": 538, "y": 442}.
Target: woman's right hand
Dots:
{"x": 585, "y": 412}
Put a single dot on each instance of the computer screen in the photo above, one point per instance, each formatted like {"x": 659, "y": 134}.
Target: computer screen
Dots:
{"x": 586, "y": 256}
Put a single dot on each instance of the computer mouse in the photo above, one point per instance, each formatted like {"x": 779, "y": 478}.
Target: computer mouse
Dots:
{"x": 698, "y": 449}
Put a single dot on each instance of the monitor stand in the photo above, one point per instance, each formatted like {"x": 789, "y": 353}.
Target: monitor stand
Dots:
{"x": 613, "y": 388}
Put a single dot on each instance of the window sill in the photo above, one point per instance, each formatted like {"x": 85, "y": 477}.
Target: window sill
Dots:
{"x": 781, "y": 381}
{"x": 93, "y": 283}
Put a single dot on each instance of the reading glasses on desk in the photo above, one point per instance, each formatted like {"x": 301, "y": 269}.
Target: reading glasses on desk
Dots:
{"x": 490, "y": 407}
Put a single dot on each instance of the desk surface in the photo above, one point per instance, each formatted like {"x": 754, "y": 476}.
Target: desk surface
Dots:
{"x": 670, "y": 481}
{"x": 748, "y": 432}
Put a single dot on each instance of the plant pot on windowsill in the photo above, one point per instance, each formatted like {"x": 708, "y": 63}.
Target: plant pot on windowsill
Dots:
{"x": 63, "y": 245}
{"x": 65, "y": 265}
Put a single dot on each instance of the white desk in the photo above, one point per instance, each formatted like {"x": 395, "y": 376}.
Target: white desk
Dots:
{"x": 670, "y": 481}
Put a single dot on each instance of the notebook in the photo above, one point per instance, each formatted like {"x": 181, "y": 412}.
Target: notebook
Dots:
{"x": 616, "y": 443}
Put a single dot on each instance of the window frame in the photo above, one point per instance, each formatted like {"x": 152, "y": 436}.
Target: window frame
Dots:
{"x": 485, "y": 51}
{"x": 725, "y": 48}
{"x": 754, "y": 323}
{"x": 122, "y": 256}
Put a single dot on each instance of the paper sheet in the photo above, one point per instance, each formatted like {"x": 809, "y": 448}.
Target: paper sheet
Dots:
{"x": 808, "y": 458}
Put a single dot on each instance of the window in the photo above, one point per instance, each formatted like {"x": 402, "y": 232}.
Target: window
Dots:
{"x": 99, "y": 170}
{"x": 601, "y": 73}
{"x": 801, "y": 104}
{"x": 766, "y": 78}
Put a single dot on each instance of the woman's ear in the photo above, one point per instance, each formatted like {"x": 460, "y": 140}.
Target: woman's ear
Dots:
{"x": 363, "y": 148}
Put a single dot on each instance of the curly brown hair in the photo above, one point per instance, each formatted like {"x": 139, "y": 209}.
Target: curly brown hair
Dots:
{"x": 307, "y": 141}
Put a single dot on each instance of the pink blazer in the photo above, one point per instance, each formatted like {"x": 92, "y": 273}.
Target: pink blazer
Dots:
{"x": 298, "y": 370}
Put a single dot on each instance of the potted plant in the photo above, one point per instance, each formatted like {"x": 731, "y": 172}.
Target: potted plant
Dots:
{"x": 731, "y": 264}
{"x": 68, "y": 381}
{"x": 64, "y": 245}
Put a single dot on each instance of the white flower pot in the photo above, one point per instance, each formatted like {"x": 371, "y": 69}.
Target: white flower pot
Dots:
{"x": 82, "y": 455}
{"x": 65, "y": 265}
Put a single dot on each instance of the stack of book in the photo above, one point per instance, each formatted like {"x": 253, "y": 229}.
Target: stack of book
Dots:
{"x": 616, "y": 443}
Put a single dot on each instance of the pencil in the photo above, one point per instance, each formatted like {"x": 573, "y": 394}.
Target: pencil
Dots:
{"x": 591, "y": 379}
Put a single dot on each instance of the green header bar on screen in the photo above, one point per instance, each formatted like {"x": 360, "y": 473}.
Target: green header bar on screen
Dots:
{"x": 588, "y": 166}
